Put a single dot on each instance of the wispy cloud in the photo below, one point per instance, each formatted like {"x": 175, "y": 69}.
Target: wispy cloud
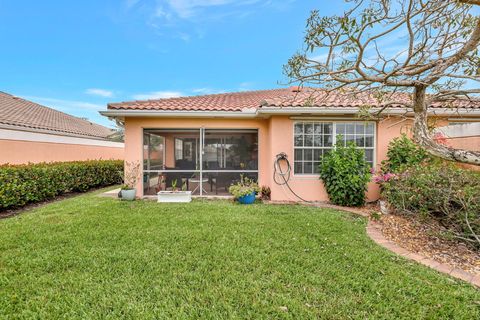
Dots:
{"x": 189, "y": 17}
{"x": 131, "y": 3}
{"x": 245, "y": 86}
{"x": 99, "y": 92}
{"x": 186, "y": 9}
{"x": 157, "y": 95}
{"x": 81, "y": 109}
{"x": 66, "y": 105}
{"x": 201, "y": 91}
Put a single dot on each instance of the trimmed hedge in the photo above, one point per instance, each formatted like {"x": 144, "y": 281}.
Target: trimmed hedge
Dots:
{"x": 24, "y": 184}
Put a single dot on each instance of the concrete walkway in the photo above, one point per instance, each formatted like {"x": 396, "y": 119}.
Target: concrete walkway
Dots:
{"x": 111, "y": 193}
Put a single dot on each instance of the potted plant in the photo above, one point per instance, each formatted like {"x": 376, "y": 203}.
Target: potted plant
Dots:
{"x": 245, "y": 190}
{"x": 128, "y": 191}
{"x": 175, "y": 195}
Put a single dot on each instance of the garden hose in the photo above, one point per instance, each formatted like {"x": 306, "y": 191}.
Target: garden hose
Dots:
{"x": 285, "y": 176}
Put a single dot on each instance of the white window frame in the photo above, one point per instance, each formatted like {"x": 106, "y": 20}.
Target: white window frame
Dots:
{"x": 334, "y": 141}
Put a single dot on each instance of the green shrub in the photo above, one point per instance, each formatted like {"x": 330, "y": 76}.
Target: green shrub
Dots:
{"x": 402, "y": 153}
{"x": 442, "y": 192}
{"x": 345, "y": 174}
{"x": 24, "y": 184}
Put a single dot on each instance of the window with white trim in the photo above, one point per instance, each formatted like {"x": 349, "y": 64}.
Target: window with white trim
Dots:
{"x": 312, "y": 140}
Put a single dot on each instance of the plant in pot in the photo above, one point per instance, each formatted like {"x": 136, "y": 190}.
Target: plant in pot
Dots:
{"x": 175, "y": 194}
{"x": 245, "y": 190}
{"x": 128, "y": 191}
{"x": 265, "y": 193}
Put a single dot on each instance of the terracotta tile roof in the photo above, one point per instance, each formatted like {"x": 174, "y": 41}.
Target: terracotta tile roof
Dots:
{"x": 286, "y": 97}
{"x": 16, "y": 112}
{"x": 235, "y": 101}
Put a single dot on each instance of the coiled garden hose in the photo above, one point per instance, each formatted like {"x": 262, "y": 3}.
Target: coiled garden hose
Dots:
{"x": 285, "y": 176}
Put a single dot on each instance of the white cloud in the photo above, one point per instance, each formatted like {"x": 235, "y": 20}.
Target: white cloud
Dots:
{"x": 189, "y": 8}
{"x": 99, "y": 92}
{"x": 207, "y": 91}
{"x": 158, "y": 95}
{"x": 131, "y": 3}
{"x": 245, "y": 86}
{"x": 319, "y": 57}
{"x": 189, "y": 18}
{"x": 81, "y": 109}
{"x": 66, "y": 105}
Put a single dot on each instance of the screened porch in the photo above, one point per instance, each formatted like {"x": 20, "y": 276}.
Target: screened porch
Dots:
{"x": 204, "y": 161}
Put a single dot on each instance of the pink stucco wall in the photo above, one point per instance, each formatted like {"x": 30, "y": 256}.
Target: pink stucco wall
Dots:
{"x": 20, "y": 152}
{"x": 134, "y": 137}
{"x": 275, "y": 136}
{"x": 310, "y": 187}
{"x": 469, "y": 143}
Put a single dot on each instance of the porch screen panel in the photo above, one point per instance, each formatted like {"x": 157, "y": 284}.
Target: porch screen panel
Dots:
{"x": 229, "y": 155}
{"x": 230, "y": 150}
{"x": 201, "y": 160}
{"x": 179, "y": 150}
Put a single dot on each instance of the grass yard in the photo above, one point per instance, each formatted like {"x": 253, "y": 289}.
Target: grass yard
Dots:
{"x": 90, "y": 257}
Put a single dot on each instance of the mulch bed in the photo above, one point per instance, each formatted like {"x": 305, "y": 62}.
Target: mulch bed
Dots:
{"x": 13, "y": 212}
{"x": 425, "y": 238}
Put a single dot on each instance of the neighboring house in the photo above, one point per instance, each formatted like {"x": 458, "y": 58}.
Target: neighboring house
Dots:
{"x": 207, "y": 142}
{"x": 462, "y": 134}
{"x": 30, "y": 132}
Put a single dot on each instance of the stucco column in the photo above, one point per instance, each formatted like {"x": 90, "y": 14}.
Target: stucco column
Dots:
{"x": 134, "y": 148}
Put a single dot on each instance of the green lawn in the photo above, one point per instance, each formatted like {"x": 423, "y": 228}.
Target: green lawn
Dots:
{"x": 90, "y": 257}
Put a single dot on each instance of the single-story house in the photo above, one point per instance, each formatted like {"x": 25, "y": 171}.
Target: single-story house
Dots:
{"x": 207, "y": 142}
{"x": 30, "y": 132}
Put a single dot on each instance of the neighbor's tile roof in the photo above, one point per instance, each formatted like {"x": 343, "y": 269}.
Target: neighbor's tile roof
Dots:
{"x": 286, "y": 97}
{"x": 20, "y": 113}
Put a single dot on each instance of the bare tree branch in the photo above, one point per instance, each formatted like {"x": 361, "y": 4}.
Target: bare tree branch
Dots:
{"x": 441, "y": 52}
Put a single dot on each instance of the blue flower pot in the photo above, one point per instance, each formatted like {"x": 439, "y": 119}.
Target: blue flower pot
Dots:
{"x": 248, "y": 199}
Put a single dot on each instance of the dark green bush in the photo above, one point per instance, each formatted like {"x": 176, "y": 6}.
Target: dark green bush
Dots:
{"x": 403, "y": 152}
{"x": 443, "y": 192}
{"x": 24, "y": 184}
{"x": 345, "y": 174}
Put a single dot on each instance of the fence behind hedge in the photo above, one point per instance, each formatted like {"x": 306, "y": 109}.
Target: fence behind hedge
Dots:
{"x": 24, "y": 184}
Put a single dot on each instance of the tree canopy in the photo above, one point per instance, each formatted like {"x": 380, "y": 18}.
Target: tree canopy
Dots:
{"x": 426, "y": 48}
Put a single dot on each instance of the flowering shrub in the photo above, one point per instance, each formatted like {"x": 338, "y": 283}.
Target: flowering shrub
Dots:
{"x": 440, "y": 138}
{"x": 24, "y": 184}
{"x": 403, "y": 152}
{"x": 384, "y": 177}
{"x": 441, "y": 192}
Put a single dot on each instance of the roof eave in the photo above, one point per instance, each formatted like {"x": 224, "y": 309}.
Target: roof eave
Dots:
{"x": 177, "y": 114}
{"x": 354, "y": 110}
{"x": 265, "y": 112}
{"x": 16, "y": 127}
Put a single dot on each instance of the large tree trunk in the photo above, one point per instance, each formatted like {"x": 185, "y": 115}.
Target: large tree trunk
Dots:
{"x": 474, "y": 2}
{"x": 422, "y": 136}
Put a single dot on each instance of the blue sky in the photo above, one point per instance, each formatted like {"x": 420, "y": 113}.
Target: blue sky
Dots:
{"x": 76, "y": 56}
